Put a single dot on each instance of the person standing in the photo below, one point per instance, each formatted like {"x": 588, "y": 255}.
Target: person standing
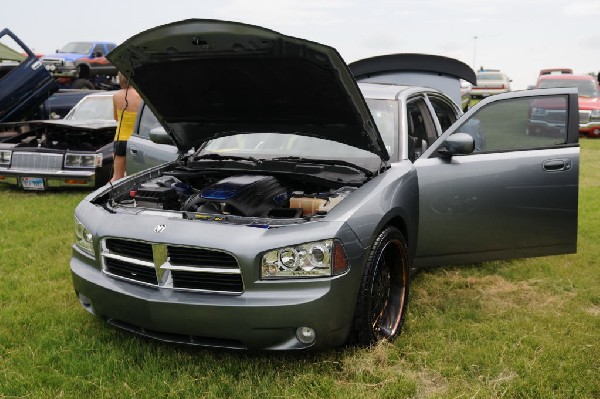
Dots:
{"x": 126, "y": 102}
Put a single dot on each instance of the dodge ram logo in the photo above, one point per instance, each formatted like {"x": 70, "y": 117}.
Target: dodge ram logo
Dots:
{"x": 159, "y": 228}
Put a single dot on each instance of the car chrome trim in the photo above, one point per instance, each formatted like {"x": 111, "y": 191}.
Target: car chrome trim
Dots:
{"x": 158, "y": 258}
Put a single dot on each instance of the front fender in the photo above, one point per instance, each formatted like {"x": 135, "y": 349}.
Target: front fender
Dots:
{"x": 390, "y": 198}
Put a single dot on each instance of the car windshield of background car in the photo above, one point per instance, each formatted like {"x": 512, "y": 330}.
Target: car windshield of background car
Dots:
{"x": 586, "y": 88}
{"x": 272, "y": 145}
{"x": 100, "y": 107}
{"x": 76, "y": 47}
{"x": 490, "y": 76}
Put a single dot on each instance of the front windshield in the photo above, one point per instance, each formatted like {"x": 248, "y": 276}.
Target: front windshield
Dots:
{"x": 490, "y": 76}
{"x": 94, "y": 107}
{"x": 274, "y": 145}
{"x": 76, "y": 47}
{"x": 586, "y": 88}
{"x": 385, "y": 115}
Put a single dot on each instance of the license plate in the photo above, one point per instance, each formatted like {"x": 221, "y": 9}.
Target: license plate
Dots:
{"x": 32, "y": 183}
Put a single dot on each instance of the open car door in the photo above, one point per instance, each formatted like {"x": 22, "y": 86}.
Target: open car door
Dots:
{"x": 24, "y": 82}
{"x": 502, "y": 182}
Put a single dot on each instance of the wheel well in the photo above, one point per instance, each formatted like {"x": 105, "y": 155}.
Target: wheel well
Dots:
{"x": 84, "y": 71}
{"x": 400, "y": 224}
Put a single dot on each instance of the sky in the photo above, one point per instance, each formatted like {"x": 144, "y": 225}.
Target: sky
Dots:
{"x": 519, "y": 37}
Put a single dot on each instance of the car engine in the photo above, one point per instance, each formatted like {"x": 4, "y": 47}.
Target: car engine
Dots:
{"x": 244, "y": 195}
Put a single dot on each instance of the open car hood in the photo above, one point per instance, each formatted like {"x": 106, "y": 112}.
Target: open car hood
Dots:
{"x": 207, "y": 78}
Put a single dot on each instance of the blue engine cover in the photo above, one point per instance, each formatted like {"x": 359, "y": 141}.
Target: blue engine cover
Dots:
{"x": 248, "y": 195}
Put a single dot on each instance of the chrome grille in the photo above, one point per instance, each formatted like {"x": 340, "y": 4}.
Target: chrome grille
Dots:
{"x": 170, "y": 266}
{"x": 36, "y": 161}
{"x": 585, "y": 116}
{"x": 556, "y": 117}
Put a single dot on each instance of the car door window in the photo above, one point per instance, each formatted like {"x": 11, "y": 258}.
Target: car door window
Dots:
{"x": 98, "y": 49}
{"x": 421, "y": 129}
{"x": 147, "y": 122}
{"x": 444, "y": 112}
{"x": 533, "y": 123}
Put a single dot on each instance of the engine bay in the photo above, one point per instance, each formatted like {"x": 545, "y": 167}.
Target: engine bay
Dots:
{"x": 60, "y": 137}
{"x": 236, "y": 195}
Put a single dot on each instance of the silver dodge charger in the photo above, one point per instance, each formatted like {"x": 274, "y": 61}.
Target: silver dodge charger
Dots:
{"x": 299, "y": 202}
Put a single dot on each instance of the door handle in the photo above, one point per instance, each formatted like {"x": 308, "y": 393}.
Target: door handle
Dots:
{"x": 133, "y": 150}
{"x": 556, "y": 165}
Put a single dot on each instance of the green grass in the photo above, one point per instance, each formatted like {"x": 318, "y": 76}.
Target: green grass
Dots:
{"x": 517, "y": 329}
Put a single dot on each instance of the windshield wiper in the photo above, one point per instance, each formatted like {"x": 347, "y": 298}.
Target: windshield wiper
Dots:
{"x": 219, "y": 157}
{"x": 325, "y": 162}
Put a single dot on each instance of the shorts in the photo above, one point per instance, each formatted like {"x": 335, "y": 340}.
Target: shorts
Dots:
{"x": 120, "y": 148}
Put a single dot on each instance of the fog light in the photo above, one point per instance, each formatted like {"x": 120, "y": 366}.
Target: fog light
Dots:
{"x": 306, "y": 335}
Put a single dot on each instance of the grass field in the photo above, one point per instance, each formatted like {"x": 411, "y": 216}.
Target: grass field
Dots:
{"x": 518, "y": 329}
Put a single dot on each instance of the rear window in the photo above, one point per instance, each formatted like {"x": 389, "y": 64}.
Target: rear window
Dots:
{"x": 490, "y": 76}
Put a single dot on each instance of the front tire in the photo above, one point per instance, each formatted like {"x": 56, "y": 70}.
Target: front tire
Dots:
{"x": 383, "y": 295}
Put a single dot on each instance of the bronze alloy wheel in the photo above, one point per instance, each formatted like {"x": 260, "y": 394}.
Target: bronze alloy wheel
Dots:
{"x": 383, "y": 295}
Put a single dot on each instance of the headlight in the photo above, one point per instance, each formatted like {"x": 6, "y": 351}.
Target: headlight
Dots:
{"x": 5, "y": 157}
{"x": 83, "y": 160}
{"x": 538, "y": 111}
{"x": 313, "y": 259}
{"x": 69, "y": 64}
{"x": 83, "y": 237}
{"x": 595, "y": 113}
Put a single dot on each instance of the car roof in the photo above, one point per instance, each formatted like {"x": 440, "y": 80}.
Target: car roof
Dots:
{"x": 567, "y": 77}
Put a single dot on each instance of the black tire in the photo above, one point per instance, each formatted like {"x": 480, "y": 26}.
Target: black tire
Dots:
{"x": 82, "y": 84}
{"x": 383, "y": 295}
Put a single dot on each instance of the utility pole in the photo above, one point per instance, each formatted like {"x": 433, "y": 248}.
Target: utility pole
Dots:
{"x": 474, "y": 52}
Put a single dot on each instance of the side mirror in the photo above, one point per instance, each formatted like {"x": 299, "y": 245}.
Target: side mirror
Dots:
{"x": 459, "y": 144}
{"x": 99, "y": 54}
{"x": 158, "y": 135}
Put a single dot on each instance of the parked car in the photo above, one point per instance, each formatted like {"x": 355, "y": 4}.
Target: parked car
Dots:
{"x": 82, "y": 65}
{"x": 296, "y": 221}
{"x": 94, "y": 106}
{"x": 74, "y": 152}
{"x": 24, "y": 83}
{"x": 490, "y": 82}
{"x": 589, "y": 102}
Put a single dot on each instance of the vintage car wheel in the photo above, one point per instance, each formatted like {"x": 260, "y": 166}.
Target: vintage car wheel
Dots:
{"x": 383, "y": 294}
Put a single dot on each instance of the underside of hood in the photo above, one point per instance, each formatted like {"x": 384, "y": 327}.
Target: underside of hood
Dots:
{"x": 206, "y": 78}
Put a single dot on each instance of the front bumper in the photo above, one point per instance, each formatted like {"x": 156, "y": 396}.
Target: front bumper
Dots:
{"x": 42, "y": 180}
{"x": 590, "y": 128}
{"x": 263, "y": 315}
{"x": 58, "y": 70}
{"x": 264, "y": 319}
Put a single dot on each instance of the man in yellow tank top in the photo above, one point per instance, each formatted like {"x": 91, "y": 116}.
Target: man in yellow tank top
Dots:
{"x": 126, "y": 102}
